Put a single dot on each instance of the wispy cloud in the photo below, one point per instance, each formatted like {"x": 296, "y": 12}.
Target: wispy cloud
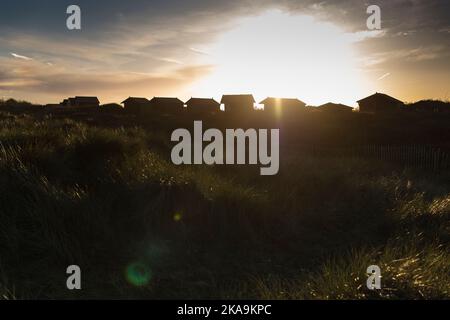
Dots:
{"x": 18, "y": 56}
{"x": 199, "y": 51}
{"x": 430, "y": 53}
{"x": 364, "y": 35}
{"x": 170, "y": 60}
{"x": 418, "y": 54}
{"x": 384, "y": 76}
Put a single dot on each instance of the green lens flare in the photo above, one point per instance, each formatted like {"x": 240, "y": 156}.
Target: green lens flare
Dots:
{"x": 138, "y": 274}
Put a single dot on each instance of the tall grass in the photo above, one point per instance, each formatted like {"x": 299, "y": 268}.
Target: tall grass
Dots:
{"x": 105, "y": 198}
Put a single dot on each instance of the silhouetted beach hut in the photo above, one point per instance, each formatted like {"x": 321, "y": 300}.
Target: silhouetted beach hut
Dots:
{"x": 81, "y": 102}
{"x": 136, "y": 105}
{"x": 166, "y": 104}
{"x": 379, "y": 103}
{"x": 202, "y": 105}
{"x": 334, "y": 108}
{"x": 282, "y": 105}
{"x": 238, "y": 103}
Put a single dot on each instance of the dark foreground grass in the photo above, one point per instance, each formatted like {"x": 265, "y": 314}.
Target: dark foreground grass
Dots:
{"x": 109, "y": 200}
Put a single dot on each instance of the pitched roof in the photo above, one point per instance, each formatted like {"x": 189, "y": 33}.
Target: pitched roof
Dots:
{"x": 136, "y": 100}
{"x": 381, "y": 97}
{"x": 282, "y": 101}
{"x": 203, "y": 102}
{"x": 334, "y": 107}
{"x": 86, "y": 99}
{"x": 166, "y": 100}
{"x": 237, "y": 98}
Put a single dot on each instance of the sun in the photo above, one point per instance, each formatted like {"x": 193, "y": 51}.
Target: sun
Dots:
{"x": 284, "y": 55}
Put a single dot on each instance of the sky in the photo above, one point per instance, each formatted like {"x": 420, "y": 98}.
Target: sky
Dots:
{"x": 317, "y": 51}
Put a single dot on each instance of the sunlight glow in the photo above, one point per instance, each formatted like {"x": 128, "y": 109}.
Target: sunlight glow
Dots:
{"x": 282, "y": 55}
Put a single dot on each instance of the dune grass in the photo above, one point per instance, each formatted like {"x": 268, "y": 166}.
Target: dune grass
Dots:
{"x": 109, "y": 198}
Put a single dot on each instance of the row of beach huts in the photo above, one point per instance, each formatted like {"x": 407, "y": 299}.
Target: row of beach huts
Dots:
{"x": 376, "y": 103}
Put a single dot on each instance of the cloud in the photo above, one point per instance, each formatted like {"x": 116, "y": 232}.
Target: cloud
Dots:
{"x": 170, "y": 60}
{"x": 202, "y": 52}
{"x": 18, "y": 56}
{"x": 422, "y": 54}
{"x": 56, "y": 82}
{"x": 384, "y": 76}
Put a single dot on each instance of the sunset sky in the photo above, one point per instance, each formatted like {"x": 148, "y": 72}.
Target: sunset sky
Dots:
{"x": 317, "y": 51}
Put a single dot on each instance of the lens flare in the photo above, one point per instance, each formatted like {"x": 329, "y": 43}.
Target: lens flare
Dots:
{"x": 178, "y": 217}
{"x": 138, "y": 274}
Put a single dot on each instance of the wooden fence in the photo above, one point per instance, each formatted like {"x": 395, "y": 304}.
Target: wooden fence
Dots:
{"x": 418, "y": 156}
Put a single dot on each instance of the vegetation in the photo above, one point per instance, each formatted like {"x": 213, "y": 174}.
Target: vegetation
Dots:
{"x": 100, "y": 192}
